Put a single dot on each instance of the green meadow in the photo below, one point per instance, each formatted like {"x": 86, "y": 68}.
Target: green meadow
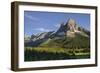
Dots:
{"x": 46, "y": 53}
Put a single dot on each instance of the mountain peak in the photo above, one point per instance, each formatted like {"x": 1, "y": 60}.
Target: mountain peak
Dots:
{"x": 71, "y": 25}
{"x": 68, "y": 30}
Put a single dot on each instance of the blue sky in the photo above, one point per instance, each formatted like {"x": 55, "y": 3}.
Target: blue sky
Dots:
{"x": 36, "y": 22}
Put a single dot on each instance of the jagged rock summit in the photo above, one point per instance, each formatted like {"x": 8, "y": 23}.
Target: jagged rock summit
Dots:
{"x": 72, "y": 27}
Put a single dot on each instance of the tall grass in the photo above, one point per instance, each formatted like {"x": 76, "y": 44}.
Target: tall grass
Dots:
{"x": 46, "y": 53}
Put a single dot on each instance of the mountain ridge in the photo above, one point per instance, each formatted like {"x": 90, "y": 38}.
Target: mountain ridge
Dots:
{"x": 70, "y": 31}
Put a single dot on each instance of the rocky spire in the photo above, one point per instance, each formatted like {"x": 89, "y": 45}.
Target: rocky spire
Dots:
{"x": 71, "y": 25}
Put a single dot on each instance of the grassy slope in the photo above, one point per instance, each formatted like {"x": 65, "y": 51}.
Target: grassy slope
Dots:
{"x": 58, "y": 49}
{"x": 77, "y": 42}
{"x": 45, "y": 53}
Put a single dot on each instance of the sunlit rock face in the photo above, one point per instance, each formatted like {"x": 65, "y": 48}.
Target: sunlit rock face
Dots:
{"x": 71, "y": 28}
{"x": 71, "y": 25}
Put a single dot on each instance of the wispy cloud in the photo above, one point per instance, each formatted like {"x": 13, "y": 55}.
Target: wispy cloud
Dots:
{"x": 42, "y": 29}
{"x": 57, "y": 25}
{"x": 31, "y": 17}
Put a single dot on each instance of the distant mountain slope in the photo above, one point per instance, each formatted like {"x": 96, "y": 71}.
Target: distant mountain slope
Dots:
{"x": 69, "y": 35}
{"x": 78, "y": 41}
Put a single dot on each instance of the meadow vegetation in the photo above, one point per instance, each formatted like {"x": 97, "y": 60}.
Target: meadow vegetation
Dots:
{"x": 46, "y": 53}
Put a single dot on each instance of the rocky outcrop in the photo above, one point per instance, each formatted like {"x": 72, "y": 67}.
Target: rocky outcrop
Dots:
{"x": 71, "y": 25}
{"x": 61, "y": 31}
{"x": 71, "y": 28}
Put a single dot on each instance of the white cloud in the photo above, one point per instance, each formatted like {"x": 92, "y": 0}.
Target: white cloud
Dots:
{"x": 31, "y": 17}
{"x": 57, "y": 25}
{"x": 42, "y": 29}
